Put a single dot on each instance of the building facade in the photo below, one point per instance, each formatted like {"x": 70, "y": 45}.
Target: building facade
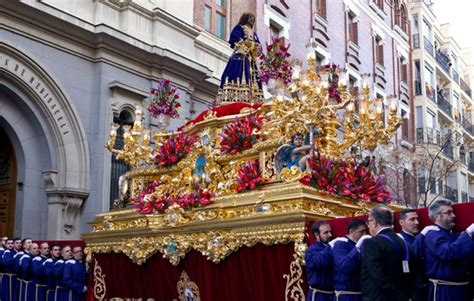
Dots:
{"x": 443, "y": 107}
{"x": 68, "y": 70}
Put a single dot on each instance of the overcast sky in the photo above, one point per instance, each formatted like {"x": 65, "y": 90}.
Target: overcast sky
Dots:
{"x": 459, "y": 13}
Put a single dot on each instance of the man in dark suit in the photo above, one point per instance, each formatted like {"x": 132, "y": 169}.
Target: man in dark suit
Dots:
{"x": 389, "y": 270}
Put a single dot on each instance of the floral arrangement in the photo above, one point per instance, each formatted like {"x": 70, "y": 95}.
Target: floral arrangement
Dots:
{"x": 174, "y": 149}
{"x": 240, "y": 134}
{"x": 347, "y": 179}
{"x": 276, "y": 64}
{"x": 146, "y": 202}
{"x": 332, "y": 69}
{"x": 164, "y": 100}
{"x": 249, "y": 176}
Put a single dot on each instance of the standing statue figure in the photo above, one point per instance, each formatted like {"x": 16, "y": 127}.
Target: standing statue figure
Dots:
{"x": 241, "y": 67}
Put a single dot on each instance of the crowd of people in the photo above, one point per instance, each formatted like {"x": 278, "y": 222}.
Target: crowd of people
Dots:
{"x": 33, "y": 271}
{"x": 433, "y": 264}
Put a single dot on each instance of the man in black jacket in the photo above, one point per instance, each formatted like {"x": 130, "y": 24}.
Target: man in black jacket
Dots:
{"x": 389, "y": 271}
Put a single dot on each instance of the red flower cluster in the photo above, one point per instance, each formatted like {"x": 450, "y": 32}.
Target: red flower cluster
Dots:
{"x": 249, "y": 176}
{"x": 174, "y": 149}
{"x": 164, "y": 100}
{"x": 147, "y": 203}
{"x": 276, "y": 64}
{"x": 333, "y": 81}
{"x": 240, "y": 134}
{"x": 346, "y": 179}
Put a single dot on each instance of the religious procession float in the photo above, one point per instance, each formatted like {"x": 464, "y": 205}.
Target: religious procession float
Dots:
{"x": 219, "y": 209}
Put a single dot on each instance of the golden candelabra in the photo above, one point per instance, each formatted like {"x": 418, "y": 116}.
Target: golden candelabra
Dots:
{"x": 335, "y": 125}
{"x": 136, "y": 142}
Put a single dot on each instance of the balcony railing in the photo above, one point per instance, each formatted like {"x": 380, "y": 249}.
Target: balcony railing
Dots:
{"x": 471, "y": 165}
{"x": 444, "y": 105}
{"x": 467, "y": 125}
{"x": 416, "y": 41}
{"x": 455, "y": 76}
{"x": 464, "y": 196}
{"x": 443, "y": 60}
{"x": 451, "y": 193}
{"x": 448, "y": 151}
{"x": 428, "y": 135}
{"x": 465, "y": 87}
{"x": 418, "y": 90}
{"x": 428, "y": 46}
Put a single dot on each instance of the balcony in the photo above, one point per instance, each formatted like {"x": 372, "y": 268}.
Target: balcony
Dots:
{"x": 451, "y": 193}
{"x": 455, "y": 76}
{"x": 448, "y": 151}
{"x": 418, "y": 90}
{"x": 428, "y": 46}
{"x": 443, "y": 60}
{"x": 465, "y": 87}
{"x": 416, "y": 41}
{"x": 428, "y": 135}
{"x": 467, "y": 125}
{"x": 444, "y": 105}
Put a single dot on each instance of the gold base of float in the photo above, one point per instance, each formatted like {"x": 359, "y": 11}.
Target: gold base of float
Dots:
{"x": 277, "y": 214}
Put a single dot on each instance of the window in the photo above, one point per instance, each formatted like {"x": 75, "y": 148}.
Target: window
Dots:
{"x": 379, "y": 51}
{"x": 321, "y": 8}
{"x": 429, "y": 81}
{"x": 352, "y": 28}
{"x": 379, "y": 3}
{"x": 118, "y": 167}
{"x": 419, "y": 117}
{"x": 405, "y": 125}
{"x": 427, "y": 30}
{"x": 214, "y": 17}
{"x": 403, "y": 18}
{"x": 403, "y": 70}
{"x": 276, "y": 32}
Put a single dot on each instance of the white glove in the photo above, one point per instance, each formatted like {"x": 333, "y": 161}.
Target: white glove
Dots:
{"x": 361, "y": 240}
{"x": 470, "y": 230}
{"x": 332, "y": 243}
{"x": 428, "y": 229}
{"x": 84, "y": 289}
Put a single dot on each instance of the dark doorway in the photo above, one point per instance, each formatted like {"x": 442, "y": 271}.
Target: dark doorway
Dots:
{"x": 8, "y": 171}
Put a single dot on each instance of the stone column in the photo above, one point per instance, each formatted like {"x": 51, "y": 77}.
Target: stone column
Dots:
{"x": 64, "y": 209}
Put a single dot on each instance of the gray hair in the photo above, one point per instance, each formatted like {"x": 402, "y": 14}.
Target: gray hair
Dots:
{"x": 435, "y": 208}
{"x": 382, "y": 215}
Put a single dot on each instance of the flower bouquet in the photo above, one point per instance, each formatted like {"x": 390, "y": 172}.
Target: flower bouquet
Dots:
{"x": 346, "y": 179}
{"x": 276, "y": 64}
{"x": 240, "y": 134}
{"x": 333, "y": 78}
{"x": 174, "y": 149}
{"x": 249, "y": 176}
{"x": 164, "y": 100}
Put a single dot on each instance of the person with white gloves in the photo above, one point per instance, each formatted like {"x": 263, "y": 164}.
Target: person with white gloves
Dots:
{"x": 447, "y": 254}
{"x": 347, "y": 260}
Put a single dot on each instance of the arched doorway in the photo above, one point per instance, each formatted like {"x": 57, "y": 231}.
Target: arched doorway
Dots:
{"x": 8, "y": 171}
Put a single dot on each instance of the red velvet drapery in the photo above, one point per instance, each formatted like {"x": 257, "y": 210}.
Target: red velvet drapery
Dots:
{"x": 254, "y": 273}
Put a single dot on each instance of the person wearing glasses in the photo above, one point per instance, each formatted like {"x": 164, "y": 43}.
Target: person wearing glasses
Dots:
{"x": 447, "y": 255}
{"x": 319, "y": 261}
{"x": 389, "y": 270}
{"x": 75, "y": 275}
{"x": 48, "y": 266}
